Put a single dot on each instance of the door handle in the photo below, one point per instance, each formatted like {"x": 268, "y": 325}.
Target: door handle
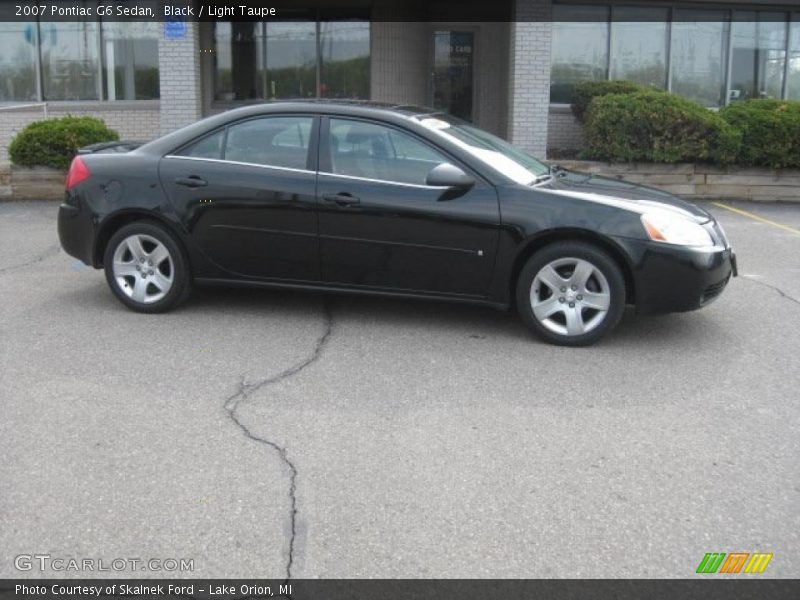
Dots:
{"x": 192, "y": 181}
{"x": 342, "y": 199}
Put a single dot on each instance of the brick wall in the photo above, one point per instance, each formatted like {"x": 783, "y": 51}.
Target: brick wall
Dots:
{"x": 564, "y": 132}
{"x": 179, "y": 77}
{"x": 399, "y": 62}
{"x": 529, "y": 75}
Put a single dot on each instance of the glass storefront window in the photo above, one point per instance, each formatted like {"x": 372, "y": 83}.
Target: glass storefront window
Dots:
{"x": 70, "y": 60}
{"x": 291, "y": 60}
{"x": 793, "y": 81}
{"x": 758, "y": 55}
{"x": 17, "y": 61}
{"x": 131, "y": 61}
{"x": 699, "y": 55}
{"x": 303, "y": 59}
{"x": 639, "y": 45}
{"x": 579, "y": 50}
{"x": 344, "y": 59}
{"x": 238, "y": 55}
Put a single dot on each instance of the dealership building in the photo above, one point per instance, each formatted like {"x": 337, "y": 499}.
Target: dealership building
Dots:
{"x": 514, "y": 77}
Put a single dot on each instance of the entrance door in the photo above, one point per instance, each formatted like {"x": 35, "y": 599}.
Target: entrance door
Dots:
{"x": 453, "y": 72}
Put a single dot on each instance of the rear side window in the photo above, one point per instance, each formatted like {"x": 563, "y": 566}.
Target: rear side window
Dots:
{"x": 270, "y": 141}
{"x": 208, "y": 147}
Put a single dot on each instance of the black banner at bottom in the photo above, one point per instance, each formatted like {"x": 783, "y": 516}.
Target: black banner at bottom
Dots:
{"x": 400, "y": 589}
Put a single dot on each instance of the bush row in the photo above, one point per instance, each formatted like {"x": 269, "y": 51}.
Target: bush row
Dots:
{"x": 625, "y": 122}
{"x": 54, "y": 142}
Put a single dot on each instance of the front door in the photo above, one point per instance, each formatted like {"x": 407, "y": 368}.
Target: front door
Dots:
{"x": 382, "y": 227}
{"x": 453, "y": 73}
{"x": 247, "y": 193}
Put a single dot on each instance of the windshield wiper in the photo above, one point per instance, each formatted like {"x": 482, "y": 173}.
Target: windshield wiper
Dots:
{"x": 558, "y": 171}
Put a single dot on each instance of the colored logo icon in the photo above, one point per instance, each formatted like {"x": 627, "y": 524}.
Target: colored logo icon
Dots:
{"x": 734, "y": 562}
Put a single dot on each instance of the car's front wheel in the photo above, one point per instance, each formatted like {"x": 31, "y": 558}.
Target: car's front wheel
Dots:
{"x": 571, "y": 293}
{"x": 146, "y": 268}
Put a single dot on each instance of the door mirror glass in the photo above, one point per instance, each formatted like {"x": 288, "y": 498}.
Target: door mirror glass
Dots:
{"x": 449, "y": 176}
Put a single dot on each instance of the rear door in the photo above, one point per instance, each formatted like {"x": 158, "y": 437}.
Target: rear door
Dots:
{"x": 382, "y": 227}
{"x": 247, "y": 196}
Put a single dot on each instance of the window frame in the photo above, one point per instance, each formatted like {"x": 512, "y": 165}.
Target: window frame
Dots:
{"x": 325, "y": 165}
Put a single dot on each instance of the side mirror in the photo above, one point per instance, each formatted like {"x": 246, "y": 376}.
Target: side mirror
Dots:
{"x": 449, "y": 176}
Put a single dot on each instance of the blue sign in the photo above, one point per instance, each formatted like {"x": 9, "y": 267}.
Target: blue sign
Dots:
{"x": 175, "y": 30}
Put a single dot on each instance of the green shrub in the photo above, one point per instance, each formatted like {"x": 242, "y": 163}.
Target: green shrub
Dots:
{"x": 588, "y": 90}
{"x": 653, "y": 126}
{"x": 54, "y": 142}
{"x": 770, "y": 132}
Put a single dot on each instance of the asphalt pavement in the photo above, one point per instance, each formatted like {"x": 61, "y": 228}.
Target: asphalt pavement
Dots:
{"x": 264, "y": 433}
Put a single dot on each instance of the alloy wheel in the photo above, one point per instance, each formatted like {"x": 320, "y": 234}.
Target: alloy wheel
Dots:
{"x": 143, "y": 268}
{"x": 570, "y": 296}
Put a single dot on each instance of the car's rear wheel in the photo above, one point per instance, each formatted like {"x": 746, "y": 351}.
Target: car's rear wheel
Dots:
{"x": 146, "y": 268}
{"x": 571, "y": 293}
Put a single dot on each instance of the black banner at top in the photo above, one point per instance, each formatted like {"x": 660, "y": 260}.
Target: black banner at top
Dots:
{"x": 380, "y": 10}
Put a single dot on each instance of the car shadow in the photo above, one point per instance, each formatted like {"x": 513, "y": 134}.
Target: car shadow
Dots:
{"x": 474, "y": 321}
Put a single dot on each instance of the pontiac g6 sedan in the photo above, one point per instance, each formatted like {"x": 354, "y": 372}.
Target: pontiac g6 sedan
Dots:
{"x": 392, "y": 200}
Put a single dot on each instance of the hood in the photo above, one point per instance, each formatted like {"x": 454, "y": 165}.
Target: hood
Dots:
{"x": 630, "y": 196}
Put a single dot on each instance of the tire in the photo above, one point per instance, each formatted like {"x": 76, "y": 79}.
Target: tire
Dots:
{"x": 562, "y": 314}
{"x": 146, "y": 267}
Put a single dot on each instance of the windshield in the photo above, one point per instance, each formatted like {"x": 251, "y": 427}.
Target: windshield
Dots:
{"x": 494, "y": 151}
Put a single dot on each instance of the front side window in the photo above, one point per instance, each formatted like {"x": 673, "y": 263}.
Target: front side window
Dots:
{"x": 270, "y": 141}
{"x": 373, "y": 151}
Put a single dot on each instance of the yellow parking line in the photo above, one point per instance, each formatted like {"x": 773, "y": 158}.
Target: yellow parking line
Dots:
{"x": 757, "y": 218}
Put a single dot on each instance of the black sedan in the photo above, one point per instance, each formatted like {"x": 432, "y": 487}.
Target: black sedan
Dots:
{"x": 392, "y": 200}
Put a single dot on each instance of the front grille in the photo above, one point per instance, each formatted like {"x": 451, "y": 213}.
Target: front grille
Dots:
{"x": 714, "y": 290}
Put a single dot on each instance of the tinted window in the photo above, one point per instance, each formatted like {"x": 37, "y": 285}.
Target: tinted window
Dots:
{"x": 699, "y": 55}
{"x": 373, "y": 151}
{"x": 209, "y": 147}
{"x": 272, "y": 141}
{"x": 580, "y": 48}
{"x": 639, "y": 45}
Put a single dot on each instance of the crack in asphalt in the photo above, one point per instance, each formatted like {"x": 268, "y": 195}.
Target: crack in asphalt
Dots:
{"x": 241, "y": 397}
{"x": 770, "y": 286}
{"x": 51, "y": 251}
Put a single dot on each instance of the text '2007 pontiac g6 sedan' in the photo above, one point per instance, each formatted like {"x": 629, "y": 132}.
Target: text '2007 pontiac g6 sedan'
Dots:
{"x": 393, "y": 200}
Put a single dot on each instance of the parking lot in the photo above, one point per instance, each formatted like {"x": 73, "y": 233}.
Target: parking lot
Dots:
{"x": 260, "y": 432}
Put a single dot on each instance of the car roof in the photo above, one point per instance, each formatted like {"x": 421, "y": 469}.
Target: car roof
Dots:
{"x": 354, "y": 108}
{"x": 350, "y": 106}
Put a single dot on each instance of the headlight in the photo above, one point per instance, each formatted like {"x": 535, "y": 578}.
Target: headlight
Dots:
{"x": 674, "y": 229}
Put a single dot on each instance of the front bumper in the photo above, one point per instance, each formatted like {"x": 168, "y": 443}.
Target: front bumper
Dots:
{"x": 677, "y": 279}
